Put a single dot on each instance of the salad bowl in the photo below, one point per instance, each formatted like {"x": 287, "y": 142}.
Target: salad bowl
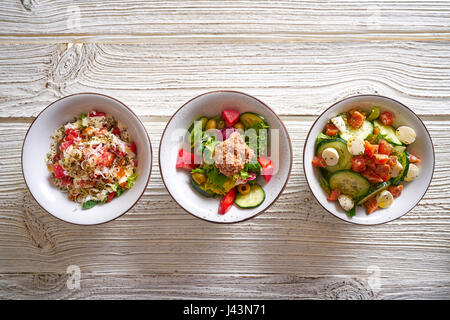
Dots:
{"x": 38, "y": 176}
{"x": 380, "y": 195}
{"x": 179, "y": 182}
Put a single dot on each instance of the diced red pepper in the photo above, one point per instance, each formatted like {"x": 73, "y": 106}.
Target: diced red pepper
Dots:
{"x": 382, "y": 171}
{"x": 413, "y": 158}
{"x": 231, "y": 117}
{"x": 356, "y": 119}
{"x": 133, "y": 147}
{"x": 387, "y": 118}
{"x": 116, "y": 130}
{"x": 371, "y": 205}
{"x": 358, "y": 164}
{"x": 96, "y": 114}
{"x": 334, "y": 195}
{"x": 110, "y": 196}
{"x": 370, "y": 149}
{"x": 396, "y": 190}
{"x": 381, "y": 158}
{"x": 185, "y": 160}
{"x": 370, "y": 175}
{"x": 318, "y": 161}
{"x": 227, "y": 201}
{"x": 58, "y": 171}
{"x": 370, "y": 163}
{"x": 331, "y": 129}
{"x": 71, "y": 134}
{"x": 384, "y": 147}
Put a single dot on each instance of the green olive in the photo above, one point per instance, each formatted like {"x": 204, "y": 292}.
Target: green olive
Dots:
{"x": 220, "y": 124}
{"x": 199, "y": 178}
{"x": 239, "y": 126}
{"x": 243, "y": 188}
{"x": 211, "y": 124}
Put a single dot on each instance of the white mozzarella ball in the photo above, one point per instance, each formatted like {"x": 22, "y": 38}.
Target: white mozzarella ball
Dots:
{"x": 346, "y": 202}
{"x": 413, "y": 172}
{"x": 396, "y": 170}
{"x": 339, "y": 123}
{"x": 406, "y": 134}
{"x": 385, "y": 199}
{"x": 331, "y": 156}
{"x": 355, "y": 146}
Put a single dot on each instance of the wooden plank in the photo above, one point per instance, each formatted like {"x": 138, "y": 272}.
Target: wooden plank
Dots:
{"x": 141, "y": 21}
{"x": 293, "y": 78}
{"x": 148, "y": 286}
{"x": 158, "y": 237}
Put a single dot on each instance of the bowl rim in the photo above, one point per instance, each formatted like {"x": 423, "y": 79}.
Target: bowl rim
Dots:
{"x": 140, "y": 122}
{"x": 270, "y": 109}
{"x": 368, "y": 96}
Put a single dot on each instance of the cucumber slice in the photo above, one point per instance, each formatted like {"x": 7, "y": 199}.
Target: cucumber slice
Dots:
{"x": 373, "y": 191}
{"x": 252, "y": 199}
{"x": 201, "y": 189}
{"x": 388, "y": 132}
{"x": 350, "y": 183}
{"x": 398, "y": 150}
{"x": 363, "y": 132}
{"x": 404, "y": 161}
{"x": 341, "y": 147}
{"x": 253, "y": 120}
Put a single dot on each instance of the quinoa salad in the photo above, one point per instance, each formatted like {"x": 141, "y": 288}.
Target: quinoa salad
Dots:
{"x": 92, "y": 159}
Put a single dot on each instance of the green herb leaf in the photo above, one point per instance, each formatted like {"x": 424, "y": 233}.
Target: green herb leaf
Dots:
{"x": 89, "y": 204}
{"x": 352, "y": 212}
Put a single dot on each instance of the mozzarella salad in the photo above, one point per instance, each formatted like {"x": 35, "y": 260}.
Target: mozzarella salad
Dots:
{"x": 92, "y": 159}
{"x": 224, "y": 155}
{"x": 363, "y": 159}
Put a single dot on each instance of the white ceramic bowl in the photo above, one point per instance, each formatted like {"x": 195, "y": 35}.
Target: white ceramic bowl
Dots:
{"x": 177, "y": 181}
{"x": 37, "y": 144}
{"x": 422, "y": 147}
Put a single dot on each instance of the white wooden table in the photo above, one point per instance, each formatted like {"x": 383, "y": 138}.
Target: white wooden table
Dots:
{"x": 297, "y": 56}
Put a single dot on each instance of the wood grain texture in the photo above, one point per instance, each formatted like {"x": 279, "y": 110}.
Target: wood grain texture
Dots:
{"x": 297, "y": 56}
{"x": 196, "y": 21}
{"x": 158, "y": 238}
{"x": 292, "y": 78}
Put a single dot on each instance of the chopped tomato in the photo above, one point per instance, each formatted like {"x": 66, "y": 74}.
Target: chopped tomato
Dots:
{"x": 370, "y": 149}
{"x": 334, "y": 195}
{"x": 387, "y": 118}
{"x": 331, "y": 129}
{"x": 318, "y": 161}
{"x": 382, "y": 171}
{"x": 116, "y": 130}
{"x": 374, "y": 136}
{"x": 64, "y": 145}
{"x": 264, "y": 161}
{"x": 58, "y": 171}
{"x": 413, "y": 158}
{"x": 392, "y": 161}
{"x": 381, "y": 158}
{"x": 231, "y": 117}
{"x": 267, "y": 167}
{"x": 135, "y": 162}
{"x": 356, "y": 119}
{"x": 358, "y": 164}
{"x": 133, "y": 147}
{"x": 227, "y": 201}
{"x": 384, "y": 147}
{"x": 370, "y": 175}
{"x": 110, "y": 196}
{"x": 396, "y": 190}
{"x": 106, "y": 159}
{"x": 185, "y": 160}
{"x": 71, "y": 134}
{"x": 56, "y": 157}
{"x": 65, "y": 181}
{"x": 370, "y": 163}
{"x": 371, "y": 205}
{"x": 96, "y": 114}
